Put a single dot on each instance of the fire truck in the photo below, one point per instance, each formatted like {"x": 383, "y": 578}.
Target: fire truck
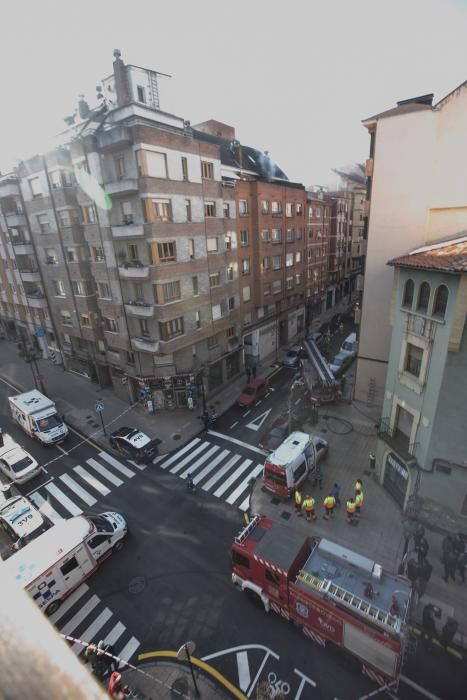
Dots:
{"x": 339, "y": 598}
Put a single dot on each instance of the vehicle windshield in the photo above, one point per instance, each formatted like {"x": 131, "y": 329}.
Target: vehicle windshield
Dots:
{"x": 249, "y": 391}
{"x": 21, "y": 464}
{"x": 347, "y": 346}
{"x": 278, "y": 432}
{"x": 46, "y": 424}
{"x": 338, "y": 360}
{"x": 101, "y": 524}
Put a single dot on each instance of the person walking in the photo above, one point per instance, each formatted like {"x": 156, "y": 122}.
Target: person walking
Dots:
{"x": 298, "y": 502}
{"x": 447, "y": 546}
{"x": 319, "y": 476}
{"x": 106, "y": 652}
{"x": 450, "y": 565}
{"x": 358, "y": 486}
{"x": 461, "y": 563}
{"x": 309, "y": 508}
{"x": 190, "y": 403}
{"x": 358, "y": 503}
{"x": 421, "y": 547}
{"x": 329, "y": 505}
{"x": 448, "y": 632}
{"x": 458, "y": 544}
{"x": 428, "y": 624}
{"x": 351, "y": 508}
{"x": 205, "y": 419}
{"x": 335, "y": 491}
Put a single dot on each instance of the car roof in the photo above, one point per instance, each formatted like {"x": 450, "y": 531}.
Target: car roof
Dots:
{"x": 256, "y": 383}
{"x": 13, "y": 512}
{"x": 123, "y": 431}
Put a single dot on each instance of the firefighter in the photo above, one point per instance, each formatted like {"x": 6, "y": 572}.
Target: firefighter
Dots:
{"x": 309, "y": 508}
{"x": 351, "y": 508}
{"x": 358, "y": 486}
{"x": 329, "y": 505}
{"x": 298, "y": 502}
{"x": 358, "y": 503}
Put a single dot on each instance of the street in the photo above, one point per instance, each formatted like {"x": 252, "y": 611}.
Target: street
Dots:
{"x": 171, "y": 583}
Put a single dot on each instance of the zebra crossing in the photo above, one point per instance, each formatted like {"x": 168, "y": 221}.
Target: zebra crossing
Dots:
{"x": 214, "y": 469}
{"x": 83, "y": 486}
{"x": 85, "y": 617}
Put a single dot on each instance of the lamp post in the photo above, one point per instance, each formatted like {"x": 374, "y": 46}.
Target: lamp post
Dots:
{"x": 31, "y": 354}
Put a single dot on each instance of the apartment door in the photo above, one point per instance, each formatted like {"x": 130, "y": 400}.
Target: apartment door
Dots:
{"x": 396, "y": 478}
{"x": 403, "y": 428}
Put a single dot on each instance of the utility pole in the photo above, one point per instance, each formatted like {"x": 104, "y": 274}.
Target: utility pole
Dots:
{"x": 31, "y": 354}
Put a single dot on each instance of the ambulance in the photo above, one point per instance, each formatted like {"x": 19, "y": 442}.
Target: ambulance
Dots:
{"x": 37, "y": 415}
{"x": 288, "y": 466}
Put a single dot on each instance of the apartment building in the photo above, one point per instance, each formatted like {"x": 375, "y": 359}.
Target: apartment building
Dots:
{"x": 415, "y": 194}
{"x": 317, "y": 237}
{"x": 354, "y": 181}
{"x": 341, "y": 279}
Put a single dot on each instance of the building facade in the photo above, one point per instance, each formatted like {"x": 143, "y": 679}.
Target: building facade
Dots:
{"x": 422, "y": 442}
{"x": 318, "y": 227}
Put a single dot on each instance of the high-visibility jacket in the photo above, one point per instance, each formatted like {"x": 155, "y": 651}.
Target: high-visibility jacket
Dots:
{"x": 358, "y": 485}
{"x": 329, "y": 502}
{"x": 298, "y": 498}
{"x": 351, "y": 506}
{"x": 359, "y": 499}
{"x": 309, "y": 504}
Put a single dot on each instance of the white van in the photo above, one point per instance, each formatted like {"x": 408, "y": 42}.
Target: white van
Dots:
{"x": 349, "y": 346}
{"x": 38, "y": 417}
{"x": 289, "y": 465}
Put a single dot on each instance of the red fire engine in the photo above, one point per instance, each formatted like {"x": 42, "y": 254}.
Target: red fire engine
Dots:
{"x": 338, "y": 597}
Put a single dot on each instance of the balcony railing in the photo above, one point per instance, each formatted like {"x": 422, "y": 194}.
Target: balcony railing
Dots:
{"x": 139, "y": 309}
{"x": 128, "y": 230}
{"x": 145, "y": 344}
{"x": 135, "y": 269}
{"x": 397, "y": 441}
{"x": 126, "y": 185}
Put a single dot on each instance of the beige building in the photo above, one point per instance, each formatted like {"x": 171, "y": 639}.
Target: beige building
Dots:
{"x": 416, "y": 193}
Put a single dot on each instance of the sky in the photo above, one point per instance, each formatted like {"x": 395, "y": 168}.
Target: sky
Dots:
{"x": 294, "y": 77}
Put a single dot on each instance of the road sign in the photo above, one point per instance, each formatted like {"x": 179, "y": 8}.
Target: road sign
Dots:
{"x": 99, "y": 406}
{"x": 185, "y": 651}
{"x": 40, "y": 332}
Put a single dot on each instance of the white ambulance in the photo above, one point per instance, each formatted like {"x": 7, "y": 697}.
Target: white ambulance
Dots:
{"x": 53, "y": 565}
{"x": 38, "y": 417}
{"x": 289, "y": 465}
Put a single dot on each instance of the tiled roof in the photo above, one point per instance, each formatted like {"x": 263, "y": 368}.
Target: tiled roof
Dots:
{"x": 400, "y": 109}
{"x": 448, "y": 256}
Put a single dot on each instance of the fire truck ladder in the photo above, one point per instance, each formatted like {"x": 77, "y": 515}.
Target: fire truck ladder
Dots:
{"x": 247, "y": 530}
{"x": 350, "y": 600}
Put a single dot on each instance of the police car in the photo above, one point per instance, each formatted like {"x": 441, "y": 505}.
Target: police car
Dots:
{"x": 20, "y": 522}
{"x": 134, "y": 444}
{"x": 15, "y": 463}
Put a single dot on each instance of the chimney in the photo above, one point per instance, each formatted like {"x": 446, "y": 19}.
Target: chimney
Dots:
{"x": 122, "y": 86}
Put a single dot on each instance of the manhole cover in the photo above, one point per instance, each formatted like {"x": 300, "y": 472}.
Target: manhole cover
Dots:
{"x": 137, "y": 585}
{"x": 176, "y": 436}
{"x": 285, "y": 515}
{"x": 275, "y": 501}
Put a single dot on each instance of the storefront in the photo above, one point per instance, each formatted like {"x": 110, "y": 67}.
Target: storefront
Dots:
{"x": 169, "y": 392}
{"x": 396, "y": 478}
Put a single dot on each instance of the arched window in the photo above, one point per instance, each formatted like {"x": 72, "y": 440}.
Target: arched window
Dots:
{"x": 423, "y": 298}
{"x": 408, "y": 294}
{"x": 441, "y": 301}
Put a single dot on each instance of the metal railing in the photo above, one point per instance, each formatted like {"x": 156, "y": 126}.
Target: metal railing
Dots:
{"x": 397, "y": 440}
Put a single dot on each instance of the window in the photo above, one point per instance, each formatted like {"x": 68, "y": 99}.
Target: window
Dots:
{"x": 413, "y": 359}
{"x": 166, "y": 252}
{"x": 230, "y": 240}
{"x": 85, "y": 320}
{"x": 120, "y": 167}
{"x": 266, "y": 262}
{"x": 231, "y": 303}
{"x": 264, "y": 206}
{"x": 127, "y": 213}
{"x": 35, "y": 185}
{"x": 441, "y": 301}
{"x": 289, "y": 283}
{"x": 51, "y": 256}
{"x": 59, "y": 288}
{"x": 408, "y": 294}
{"x": 72, "y": 255}
{"x": 230, "y": 332}
{"x": 140, "y": 94}
{"x": 110, "y": 324}
{"x": 191, "y": 248}
{"x": 133, "y": 251}
{"x": 43, "y": 221}
{"x": 216, "y": 312}
{"x": 144, "y": 327}
{"x": 276, "y": 235}
{"x": 197, "y": 319}
{"x": 423, "y": 298}
{"x": 244, "y": 238}
{"x": 69, "y": 566}
{"x": 171, "y": 329}
{"x": 171, "y": 291}
{"x": 298, "y": 209}
{"x": 138, "y": 291}
{"x": 209, "y": 209}
{"x": 267, "y": 289}
{"x": 318, "y": 212}
{"x": 265, "y": 235}
{"x": 243, "y": 207}
{"x": 65, "y": 317}
{"x": 213, "y": 341}
{"x": 299, "y": 234}
{"x": 156, "y": 164}
{"x": 162, "y": 210}
{"x": 226, "y": 210}
{"x": 272, "y": 577}
{"x": 207, "y": 170}
{"x": 276, "y": 262}
{"x": 298, "y": 278}
{"x": 326, "y": 211}
{"x": 215, "y": 279}
{"x": 276, "y": 286}
{"x": 310, "y": 212}
{"x": 96, "y": 253}
{"x": 89, "y": 214}
{"x": 289, "y": 208}
{"x": 184, "y": 168}
{"x": 80, "y": 288}
{"x": 290, "y": 235}
{"x": 246, "y": 293}
{"x": 194, "y": 281}
{"x": 64, "y": 218}
{"x": 229, "y": 273}
{"x": 247, "y": 319}
{"x": 212, "y": 244}
{"x": 289, "y": 260}
{"x": 245, "y": 266}
{"x": 276, "y": 208}
{"x": 298, "y": 256}
{"x": 130, "y": 357}
{"x": 103, "y": 290}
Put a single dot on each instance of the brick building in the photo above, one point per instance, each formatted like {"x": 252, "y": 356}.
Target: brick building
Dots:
{"x": 318, "y": 228}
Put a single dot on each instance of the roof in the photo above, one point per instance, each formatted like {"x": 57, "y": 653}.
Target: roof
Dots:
{"x": 400, "y": 109}
{"x": 294, "y": 445}
{"x": 280, "y": 546}
{"x": 21, "y": 515}
{"x": 446, "y": 256}
{"x": 31, "y": 401}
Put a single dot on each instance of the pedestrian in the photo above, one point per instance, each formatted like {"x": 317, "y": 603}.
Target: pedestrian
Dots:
{"x": 461, "y": 563}
{"x": 248, "y": 373}
{"x": 319, "y": 476}
{"x": 335, "y": 491}
{"x": 351, "y": 507}
{"x": 421, "y": 547}
{"x": 425, "y": 569}
{"x": 298, "y": 502}
{"x": 458, "y": 544}
{"x": 253, "y": 371}
{"x": 447, "y": 546}
{"x": 450, "y": 565}
{"x": 309, "y": 508}
{"x": 358, "y": 503}
{"x": 190, "y": 484}
{"x": 418, "y": 535}
{"x": 428, "y": 623}
{"x": 116, "y": 689}
{"x": 341, "y": 328}
{"x": 106, "y": 652}
{"x": 190, "y": 403}
{"x": 98, "y": 665}
{"x": 205, "y": 419}
{"x": 413, "y": 571}
{"x": 448, "y": 631}
{"x": 329, "y": 505}
{"x": 358, "y": 486}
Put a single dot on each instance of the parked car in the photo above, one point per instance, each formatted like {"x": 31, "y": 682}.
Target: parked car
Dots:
{"x": 15, "y": 463}
{"x": 253, "y": 392}
{"x": 340, "y": 364}
{"x": 20, "y": 522}
{"x": 134, "y": 444}
{"x": 276, "y": 434}
{"x": 349, "y": 346}
{"x": 293, "y": 356}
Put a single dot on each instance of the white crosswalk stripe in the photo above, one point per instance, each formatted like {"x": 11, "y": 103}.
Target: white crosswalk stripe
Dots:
{"x": 207, "y": 470}
{"x": 128, "y": 650}
{"x": 45, "y": 507}
{"x": 178, "y": 454}
{"x": 84, "y": 495}
{"x": 118, "y": 465}
{"x": 232, "y": 478}
{"x": 199, "y": 462}
{"x": 90, "y": 632}
{"x": 81, "y": 615}
{"x": 178, "y": 467}
{"x": 221, "y": 473}
{"x": 91, "y": 480}
{"x": 103, "y": 471}
{"x": 69, "y": 602}
{"x": 244, "y": 484}
{"x": 63, "y": 499}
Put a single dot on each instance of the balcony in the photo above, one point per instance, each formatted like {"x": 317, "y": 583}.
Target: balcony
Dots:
{"x": 145, "y": 344}
{"x": 134, "y": 270}
{"x": 127, "y": 185}
{"x": 22, "y": 247}
{"x": 118, "y": 137}
{"x": 129, "y": 230}
{"x": 14, "y": 219}
{"x": 397, "y": 441}
{"x": 30, "y": 274}
{"x": 9, "y": 189}
{"x": 139, "y": 309}
{"x": 36, "y": 300}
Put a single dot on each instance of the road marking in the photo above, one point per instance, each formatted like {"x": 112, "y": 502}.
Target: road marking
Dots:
{"x": 104, "y": 472}
{"x": 158, "y": 459}
{"x": 419, "y": 688}
{"x": 52, "y": 478}
{"x": 178, "y": 467}
{"x": 233, "y": 425}
{"x": 244, "y": 505}
{"x": 141, "y": 467}
{"x": 257, "y": 422}
{"x": 246, "y": 414}
{"x": 259, "y": 402}
{"x": 238, "y": 442}
{"x": 63, "y": 499}
{"x": 61, "y": 449}
{"x": 69, "y": 602}
{"x": 80, "y": 615}
{"x": 244, "y": 484}
{"x": 243, "y": 666}
{"x": 233, "y": 477}
{"x": 304, "y": 680}
{"x": 115, "y": 633}
{"x": 91, "y": 631}
{"x": 85, "y": 438}
{"x": 297, "y": 402}
{"x": 179, "y": 452}
{"x": 129, "y": 649}
{"x": 214, "y": 479}
{"x": 207, "y": 470}
{"x": 118, "y": 465}
{"x": 91, "y": 480}
{"x": 45, "y": 507}
{"x": 73, "y": 486}
{"x": 231, "y": 650}
{"x": 193, "y": 467}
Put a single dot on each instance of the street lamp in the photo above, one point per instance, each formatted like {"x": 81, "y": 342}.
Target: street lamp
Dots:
{"x": 31, "y": 354}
